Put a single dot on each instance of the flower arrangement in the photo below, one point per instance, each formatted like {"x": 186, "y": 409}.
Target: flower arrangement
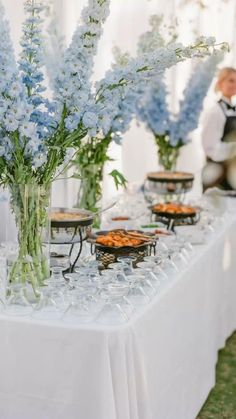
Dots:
{"x": 36, "y": 132}
{"x": 115, "y": 106}
{"x": 172, "y": 131}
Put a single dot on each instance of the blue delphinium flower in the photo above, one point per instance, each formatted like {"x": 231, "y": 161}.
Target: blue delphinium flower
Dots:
{"x": 40, "y": 131}
{"x": 31, "y": 69}
{"x": 73, "y": 84}
{"x": 152, "y": 107}
{"x": 193, "y": 97}
{"x": 16, "y": 130}
{"x": 118, "y": 92}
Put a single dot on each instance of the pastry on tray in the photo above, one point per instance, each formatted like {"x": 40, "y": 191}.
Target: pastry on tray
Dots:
{"x": 122, "y": 239}
{"x": 66, "y": 216}
{"x": 174, "y": 208}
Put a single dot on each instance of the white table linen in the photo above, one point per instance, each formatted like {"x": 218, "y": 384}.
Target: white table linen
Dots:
{"x": 160, "y": 365}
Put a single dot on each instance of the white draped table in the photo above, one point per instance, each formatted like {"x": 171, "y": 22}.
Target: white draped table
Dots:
{"x": 160, "y": 365}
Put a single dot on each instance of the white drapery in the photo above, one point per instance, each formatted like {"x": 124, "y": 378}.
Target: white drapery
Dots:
{"x": 127, "y": 20}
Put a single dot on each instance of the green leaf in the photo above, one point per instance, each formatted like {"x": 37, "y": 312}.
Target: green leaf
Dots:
{"x": 118, "y": 178}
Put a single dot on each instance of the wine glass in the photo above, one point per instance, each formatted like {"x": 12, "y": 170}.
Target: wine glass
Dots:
{"x": 58, "y": 264}
{"x": 117, "y": 308}
{"x": 127, "y": 262}
{"x": 51, "y": 304}
{"x": 17, "y": 303}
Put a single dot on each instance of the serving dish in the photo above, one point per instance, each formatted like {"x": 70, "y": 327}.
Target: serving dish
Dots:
{"x": 168, "y": 183}
{"x": 138, "y": 245}
{"x": 174, "y": 214}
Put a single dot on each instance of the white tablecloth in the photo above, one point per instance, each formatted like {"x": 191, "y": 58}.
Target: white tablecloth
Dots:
{"x": 161, "y": 365}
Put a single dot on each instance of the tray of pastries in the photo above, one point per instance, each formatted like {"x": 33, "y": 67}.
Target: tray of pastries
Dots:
{"x": 70, "y": 217}
{"x": 174, "y": 210}
{"x": 123, "y": 238}
{"x": 109, "y": 245}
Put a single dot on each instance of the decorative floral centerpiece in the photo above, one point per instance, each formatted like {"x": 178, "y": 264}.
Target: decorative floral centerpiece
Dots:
{"x": 36, "y": 132}
{"x": 117, "y": 97}
{"x": 171, "y": 131}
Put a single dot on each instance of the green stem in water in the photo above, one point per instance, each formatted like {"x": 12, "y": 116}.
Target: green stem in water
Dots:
{"x": 167, "y": 154}
{"x": 29, "y": 204}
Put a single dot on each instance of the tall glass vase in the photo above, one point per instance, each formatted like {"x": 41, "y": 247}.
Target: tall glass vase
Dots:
{"x": 90, "y": 190}
{"x": 90, "y": 163}
{"x": 29, "y": 205}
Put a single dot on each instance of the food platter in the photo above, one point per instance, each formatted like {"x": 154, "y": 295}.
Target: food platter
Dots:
{"x": 70, "y": 217}
{"x": 174, "y": 214}
{"x": 174, "y": 210}
{"x": 137, "y": 248}
{"x": 164, "y": 183}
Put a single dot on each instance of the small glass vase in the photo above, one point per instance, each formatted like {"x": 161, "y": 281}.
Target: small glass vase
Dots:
{"x": 167, "y": 153}
{"x": 29, "y": 263}
{"x": 90, "y": 190}
{"x": 168, "y": 159}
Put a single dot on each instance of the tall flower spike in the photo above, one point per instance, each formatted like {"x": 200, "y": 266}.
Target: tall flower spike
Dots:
{"x": 139, "y": 71}
{"x": 152, "y": 108}
{"x": 31, "y": 58}
{"x": 31, "y": 66}
{"x": 73, "y": 85}
{"x": 193, "y": 96}
{"x": 15, "y": 112}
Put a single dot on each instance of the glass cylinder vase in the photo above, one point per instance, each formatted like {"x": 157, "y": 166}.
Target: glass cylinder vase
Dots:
{"x": 167, "y": 153}
{"x": 90, "y": 189}
{"x": 29, "y": 262}
{"x": 168, "y": 158}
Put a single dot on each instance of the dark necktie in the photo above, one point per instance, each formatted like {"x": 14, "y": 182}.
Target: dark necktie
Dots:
{"x": 230, "y": 107}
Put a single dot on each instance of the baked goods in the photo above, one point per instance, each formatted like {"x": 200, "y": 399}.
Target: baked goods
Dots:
{"x": 123, "y": 238}
{"x": 65, "y": 216}
{"x": 174, "y": 208}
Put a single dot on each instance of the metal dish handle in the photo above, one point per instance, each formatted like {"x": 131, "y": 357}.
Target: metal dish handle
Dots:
{"x": 93, "y": 249}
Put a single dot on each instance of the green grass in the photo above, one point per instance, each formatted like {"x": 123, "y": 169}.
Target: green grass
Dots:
{"x": 221, "y": 403}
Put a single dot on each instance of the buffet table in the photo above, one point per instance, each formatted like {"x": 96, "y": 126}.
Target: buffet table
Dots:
{"x": 160, "y": 365}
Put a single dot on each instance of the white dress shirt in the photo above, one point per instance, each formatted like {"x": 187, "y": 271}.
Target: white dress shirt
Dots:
{"x": 212, "y": 132}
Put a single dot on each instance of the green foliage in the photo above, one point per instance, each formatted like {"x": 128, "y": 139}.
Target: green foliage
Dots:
{"x": 167, "y": 154}
{"x": 221, "y": 403}
{"x": 118, "y": 178}
{"x": 89, "y": 163}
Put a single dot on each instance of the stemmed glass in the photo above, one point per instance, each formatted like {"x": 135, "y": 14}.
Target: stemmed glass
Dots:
{"x": 148, "y": 269}
{"x": 117, "y": 278}
{"x": 127, "y": 262}
{"x": 17, "y": 303}
{"x": 83, "y": 305}
{"x": 51, "y": 304}
{"x": 59, "y": 264}
{"x": 137, "y": 294}
{"x": 114, "y": 310}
